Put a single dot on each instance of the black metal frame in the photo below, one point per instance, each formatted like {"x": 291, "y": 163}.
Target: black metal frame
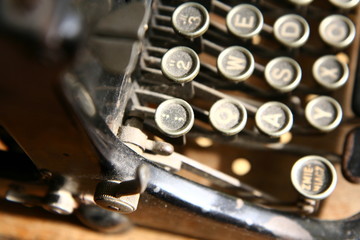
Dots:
{"x": 170, "y": 202}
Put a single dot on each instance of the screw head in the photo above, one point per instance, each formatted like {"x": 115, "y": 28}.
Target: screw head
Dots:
{"x": 191, "y": 19}
{"x": 105, "y": 197}
{"x": 314, "y": 177}
{"x": 125, "y": 204}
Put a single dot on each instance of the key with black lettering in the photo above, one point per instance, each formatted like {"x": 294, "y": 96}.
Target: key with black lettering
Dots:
{"x": 314, "y": 177}
{"x": 174, "y": 117}
{"x": 180, "y": 64}
{"x": 190, "y": 19}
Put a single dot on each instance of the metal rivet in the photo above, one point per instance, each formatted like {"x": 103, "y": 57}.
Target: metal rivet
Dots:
{"x": 256, "y": 40}
{"x": 286, "y": 138}
{"x": 241, "y": 166}
{"x": 323, "y": 113}
{"x": 244, "y": 21}
{"x": 330, "y": 73}
{"x": 204, "y": 142}
{"x": 346, "y": 4}
{"x": 274, "y": 119}
{"x": 310, "y": 97}
{"x": 191, "y": 19}
{"x": 338, "y": 31}
{"x": 228, "y": 116}
{"x": 292, "y": 30}
{"x": 180, "y": 64}
{"x": 174, "y": 117}
{"x": 343, "y": 57}
{"x": 236, "y": 63}
{"x": 314, "y": 177}
{"x": 283, "y": 74}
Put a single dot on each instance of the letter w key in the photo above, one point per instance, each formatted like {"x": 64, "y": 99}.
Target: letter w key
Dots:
{"x": 235, "y": 63}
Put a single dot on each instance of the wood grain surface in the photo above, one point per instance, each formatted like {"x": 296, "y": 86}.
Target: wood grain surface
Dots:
{"x": 18, "y": 222}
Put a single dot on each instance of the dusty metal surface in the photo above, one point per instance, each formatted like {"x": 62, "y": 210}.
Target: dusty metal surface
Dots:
{"x": 102, "y": 123}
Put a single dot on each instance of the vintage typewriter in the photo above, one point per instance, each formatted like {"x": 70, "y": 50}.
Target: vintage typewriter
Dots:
{"x": 215, "y": 119}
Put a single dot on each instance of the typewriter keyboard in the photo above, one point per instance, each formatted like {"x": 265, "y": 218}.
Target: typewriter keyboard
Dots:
{"x": 266, "y": 87}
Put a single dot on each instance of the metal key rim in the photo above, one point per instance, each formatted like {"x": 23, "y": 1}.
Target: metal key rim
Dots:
{"x": 334, "y": 123}
{"x": 234, "y": 10}
{"x": 345, "y": 5}
{"x": 344, "y": 43}
{"x": 300, "y": 2}
{"x": 284, "y": 129}
{"x": 294, "y": 83}
{"x": 187, "y": 77}
{"x": 296, "y": 168}
{"x": 184, "y": 129}
{"x": 338, "y": 83}
{"x": 200, "y": 31}
{"x": 301, "y": 41}
{"x": 234, "y": 130}
{"x": 245, "y": 75}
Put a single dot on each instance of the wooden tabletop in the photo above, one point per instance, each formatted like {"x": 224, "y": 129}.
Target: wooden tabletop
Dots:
{"x": 20, "y": 222}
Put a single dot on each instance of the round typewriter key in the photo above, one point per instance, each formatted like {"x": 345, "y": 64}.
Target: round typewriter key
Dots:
{"x": 329, "y": 72}
{"x": 228, "y": 116}
{"x": 283, "y": 74}
{"x": 236, "y": 63}
{"x": 191, "y": 19}
{"x": 292, "y": 30}
{"x": 174, "y": 117}
{"x": 274, "y": 119}
{"x": 300, "y": 2}
{"x": 244, "y": 21}
{"x": 314, "y": 177}
{"x": 345, "y": 4}
{"x": 337, "y": 31}
{"x": 323, "y": 113}
{"x": 180, "y": 64}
